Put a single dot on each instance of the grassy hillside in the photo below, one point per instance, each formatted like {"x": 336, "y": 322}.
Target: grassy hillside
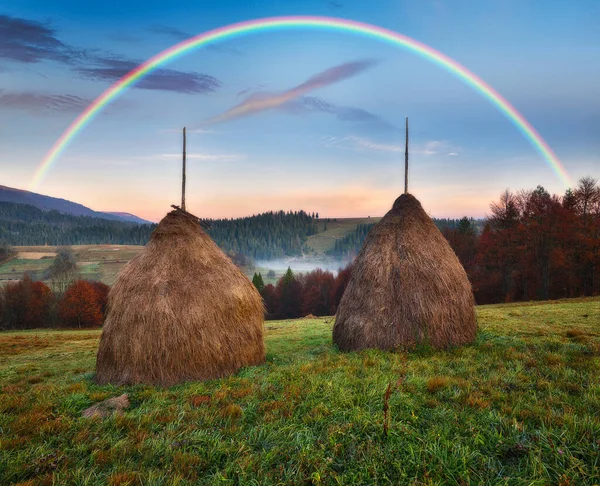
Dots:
{"x": 325, "y": 239}
{"x": 519, "y": 406}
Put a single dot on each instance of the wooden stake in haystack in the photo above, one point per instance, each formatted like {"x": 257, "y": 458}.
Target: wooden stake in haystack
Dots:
{"x": 405, "y": 160}
{"x": 183, "y": 176}
{"x": 204, "y": 224}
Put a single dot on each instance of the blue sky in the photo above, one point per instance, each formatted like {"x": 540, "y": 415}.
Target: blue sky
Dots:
{"x": 56, "y": 57}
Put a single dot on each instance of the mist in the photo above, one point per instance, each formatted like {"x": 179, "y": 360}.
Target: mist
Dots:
{"x": 302, "y": 265}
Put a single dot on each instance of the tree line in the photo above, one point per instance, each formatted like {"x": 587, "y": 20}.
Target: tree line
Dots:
{"x": 347, "y": 247}
{"x": 29, "y": 304}
{"x": 26, "y": 225}
{"x": 262, "y": 237}
{"x": 535, "y": 245}
{"x": 316, "y": 293}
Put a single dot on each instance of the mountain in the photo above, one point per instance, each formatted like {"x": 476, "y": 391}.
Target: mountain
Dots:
{"x": 48, "y": 203}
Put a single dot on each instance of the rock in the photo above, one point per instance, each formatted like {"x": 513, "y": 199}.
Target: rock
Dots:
{"x": 108, "y": 407}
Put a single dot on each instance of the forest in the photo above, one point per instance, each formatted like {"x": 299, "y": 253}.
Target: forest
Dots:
{"x": 262, "y": 237}
{"x": 266, "y": 236}
{"x": 25, "y": 225}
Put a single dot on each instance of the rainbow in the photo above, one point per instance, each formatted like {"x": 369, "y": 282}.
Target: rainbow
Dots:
{"x": 275, "y": 23}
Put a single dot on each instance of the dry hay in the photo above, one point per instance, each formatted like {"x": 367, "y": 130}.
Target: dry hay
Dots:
{"x": 407, "y": 287}
{"x": 180, "y": 311}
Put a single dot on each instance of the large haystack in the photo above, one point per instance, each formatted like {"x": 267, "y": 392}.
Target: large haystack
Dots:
{"x": 180, "y": 311}
{"x": 407, "y": 287}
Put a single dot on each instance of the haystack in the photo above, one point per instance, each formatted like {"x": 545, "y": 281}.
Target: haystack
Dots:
{"x": 180, "y": 311}
{"x": 407, "y": 287}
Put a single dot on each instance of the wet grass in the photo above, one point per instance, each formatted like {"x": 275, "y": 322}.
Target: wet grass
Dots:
{"x": 519, "y": 406}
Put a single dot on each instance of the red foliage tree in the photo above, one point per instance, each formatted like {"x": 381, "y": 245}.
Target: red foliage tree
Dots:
{"x": 102, "y": 292}
{"x": 317, "y": 292}
{"x": 270, "y": 297}
{"x": 339, "y": 286}
{"x": 27, "y": 305}
{"x": 80, "y": 306}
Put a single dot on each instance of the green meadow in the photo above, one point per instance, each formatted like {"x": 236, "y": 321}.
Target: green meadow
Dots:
{"x": 520, "y": 406}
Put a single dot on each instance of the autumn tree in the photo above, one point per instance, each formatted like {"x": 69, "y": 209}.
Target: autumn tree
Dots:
{"x": 501, "y": 249}
{"x": 341, "y": 282}
{"x": 587, "y": 206}
{"x": 101, "y": 290}
{"x": 317, "y": 292}
{"x": 80, "y": 306}
{"x": 269, "y": 296}
{"x": 27, "y": 305}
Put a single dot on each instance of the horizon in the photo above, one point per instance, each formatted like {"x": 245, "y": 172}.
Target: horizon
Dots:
{"x": 321, "y": 217}
{"x": 297, "y": 119}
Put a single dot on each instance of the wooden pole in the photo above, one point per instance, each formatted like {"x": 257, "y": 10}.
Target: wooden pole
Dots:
{"x": 406, "y": 160}
{"x": 183, "y": 177}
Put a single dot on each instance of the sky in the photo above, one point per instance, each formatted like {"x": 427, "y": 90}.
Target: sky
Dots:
{"x": 297, "y": 118}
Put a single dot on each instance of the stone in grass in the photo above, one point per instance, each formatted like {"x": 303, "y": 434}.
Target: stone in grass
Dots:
{"x": 108, "y": 407}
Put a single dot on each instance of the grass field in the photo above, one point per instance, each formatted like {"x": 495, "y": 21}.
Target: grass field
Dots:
{"x": 519, "y": 406}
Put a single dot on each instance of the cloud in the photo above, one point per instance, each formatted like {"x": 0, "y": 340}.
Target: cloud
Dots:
{"x": 342, "y": 113}
{"x": 28, "y": 41}
{"x": 113, "y": 69}
{"x": 258, "y": 102}
{"x": 40, "y": 102}
{"x": 180, "y": 35}
{"x": 352, "y": 142}
{"x": 249, "y": 89}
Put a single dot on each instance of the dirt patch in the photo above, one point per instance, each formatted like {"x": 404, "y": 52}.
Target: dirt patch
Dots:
{"x": 34, "y": 255}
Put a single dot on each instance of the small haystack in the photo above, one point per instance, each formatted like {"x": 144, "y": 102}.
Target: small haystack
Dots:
{"x": 180, "y": 311}
{"x": 407, "y": 287}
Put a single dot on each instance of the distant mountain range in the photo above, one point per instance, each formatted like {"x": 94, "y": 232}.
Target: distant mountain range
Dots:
{"x": 48, "y": 203}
